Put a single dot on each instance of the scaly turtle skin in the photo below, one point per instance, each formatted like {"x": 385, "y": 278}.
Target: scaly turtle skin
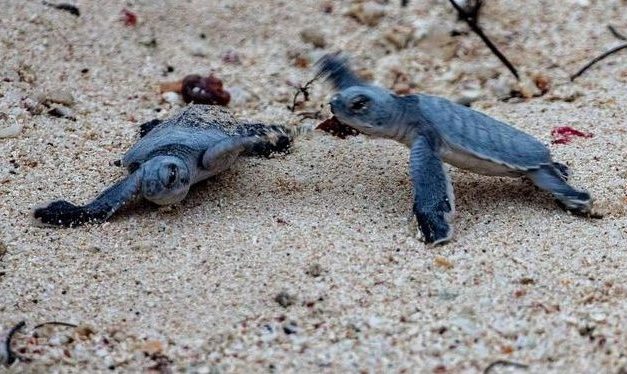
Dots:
{"x": 438, "y": 130}
{"x": 170, "y": 156}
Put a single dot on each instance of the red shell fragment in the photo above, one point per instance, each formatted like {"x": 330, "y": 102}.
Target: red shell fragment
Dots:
{"x": 129, "y": 18}
{"x": 564, "y": 134}
{"x": 336, "y": 128}
{"x": 204, "y": 90}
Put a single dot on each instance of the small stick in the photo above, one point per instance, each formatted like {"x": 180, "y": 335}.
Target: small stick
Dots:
{"x": 597, "y": 59}
{"x": 504, "y": 363}
{"x": 65, "y": 7}
{"x": 302, "y": 90}
{"x": 54, "y": 323}
{"x": 11, "y": 356}
{"x": 472, "y": 19}
{"x": 616, "y": 33}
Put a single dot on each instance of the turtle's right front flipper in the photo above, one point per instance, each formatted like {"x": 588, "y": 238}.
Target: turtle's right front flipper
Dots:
{"x": 433, "y": 193}
{"x": 63, "y": 213}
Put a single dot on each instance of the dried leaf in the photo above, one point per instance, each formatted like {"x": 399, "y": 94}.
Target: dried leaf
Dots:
{"x": 336, "y": 128}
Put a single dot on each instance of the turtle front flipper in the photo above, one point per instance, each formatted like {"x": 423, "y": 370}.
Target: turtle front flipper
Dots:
{"x": 63, "y": 213}
{"x": 221, "y": 155}
{"x": 335, "y": 69}
{"x": 433, "y": 193}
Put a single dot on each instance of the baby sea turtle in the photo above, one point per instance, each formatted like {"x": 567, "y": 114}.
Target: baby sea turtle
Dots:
{"x": 171, "y": 155}
{"x": 438, "y": 130}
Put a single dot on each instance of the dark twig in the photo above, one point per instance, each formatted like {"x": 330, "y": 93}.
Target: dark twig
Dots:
{"x": 597, "y": 59}
{"x": 54, "y": 323}
{"x": 304, "y": 90}
{"x": 616, "y": 33}
{"x": 471, "y": 16}
{"x": 604, "y": 55}
{"x": 65, "y": 7}
{"x": 504, "y": 363}
{"x": 11, "y": 356}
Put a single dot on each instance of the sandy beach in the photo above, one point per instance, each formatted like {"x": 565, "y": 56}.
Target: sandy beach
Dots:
{"x": 310, "y": 261}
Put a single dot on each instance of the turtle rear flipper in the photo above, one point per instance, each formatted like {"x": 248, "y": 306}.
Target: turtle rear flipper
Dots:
{"x": 550, "y": 179}
{"x": 268, "y": 140}
{"x": 64, "y": 213}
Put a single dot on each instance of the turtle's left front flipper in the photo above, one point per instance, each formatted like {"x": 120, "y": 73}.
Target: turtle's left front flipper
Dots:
{"x": 63, "y": 213}
{"x": 433, "y": 193}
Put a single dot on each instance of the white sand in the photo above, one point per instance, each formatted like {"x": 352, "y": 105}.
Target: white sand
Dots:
{"x": 528, "y": 282}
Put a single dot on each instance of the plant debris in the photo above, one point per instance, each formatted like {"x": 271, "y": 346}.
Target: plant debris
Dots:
{"x": 564, "y": 134}
{"x": 336, "y": 128}
{"x": 171, "y": 87}
{"x": 304, "y": 90}
{"x": 504, "y": 363}
{"x": 204, "y": 90}
{"x": 604, "y": 55}
{"x": 72, "y": 9}
{"x": 10, "y": 355}
{"x": 129, "y": 18}
{"x": 470, "y": 14}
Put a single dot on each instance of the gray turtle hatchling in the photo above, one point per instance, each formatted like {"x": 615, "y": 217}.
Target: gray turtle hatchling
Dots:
{"x": 170, "y": 156}
{"x": 438, "y": 130}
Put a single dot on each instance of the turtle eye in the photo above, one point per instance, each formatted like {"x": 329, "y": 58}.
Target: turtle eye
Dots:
{"x": 359, "y": 103}
{"x": 172, "y": 175}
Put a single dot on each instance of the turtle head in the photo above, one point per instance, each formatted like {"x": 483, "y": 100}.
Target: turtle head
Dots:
{"x": 369, "y": 109}
{"x": 166, "y": 180}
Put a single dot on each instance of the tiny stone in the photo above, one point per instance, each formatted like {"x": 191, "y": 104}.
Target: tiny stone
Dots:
{"x": 62, "y": 112}
{"x": 172, "y": 98}
{"x": 285, "y": 299}
{"x": 313, "y": 36}
{"x": 314, "y": 270}
{"x": 10, "y": 131}
{"x": 369, "y": 14}
{"x": 142, "y": 245}
{"x": 198, "y": 49}
{"x": 399, "y": 36}
{"x": 59, "y": 97}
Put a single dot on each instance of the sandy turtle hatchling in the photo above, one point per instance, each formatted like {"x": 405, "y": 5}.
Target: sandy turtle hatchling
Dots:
{"x": 438, "y": 130}
{"x": 171, "y": 155}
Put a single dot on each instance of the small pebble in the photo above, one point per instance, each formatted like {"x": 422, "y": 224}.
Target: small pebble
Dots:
{"x": 172, "y": 98}
{"x": 10, "y": 131}
{"x": 284, "y": 299}
{"x": 399, "y": 36}
{"x": 314, "y": 270}
{"x": 313, "y": 36}
{"x": 62, "y": 112}
{"x": 61, "y": 96}
{"x": 198, "y": 49}
{"x": 369, "y": 13}
{"x": 26, "y": 74}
